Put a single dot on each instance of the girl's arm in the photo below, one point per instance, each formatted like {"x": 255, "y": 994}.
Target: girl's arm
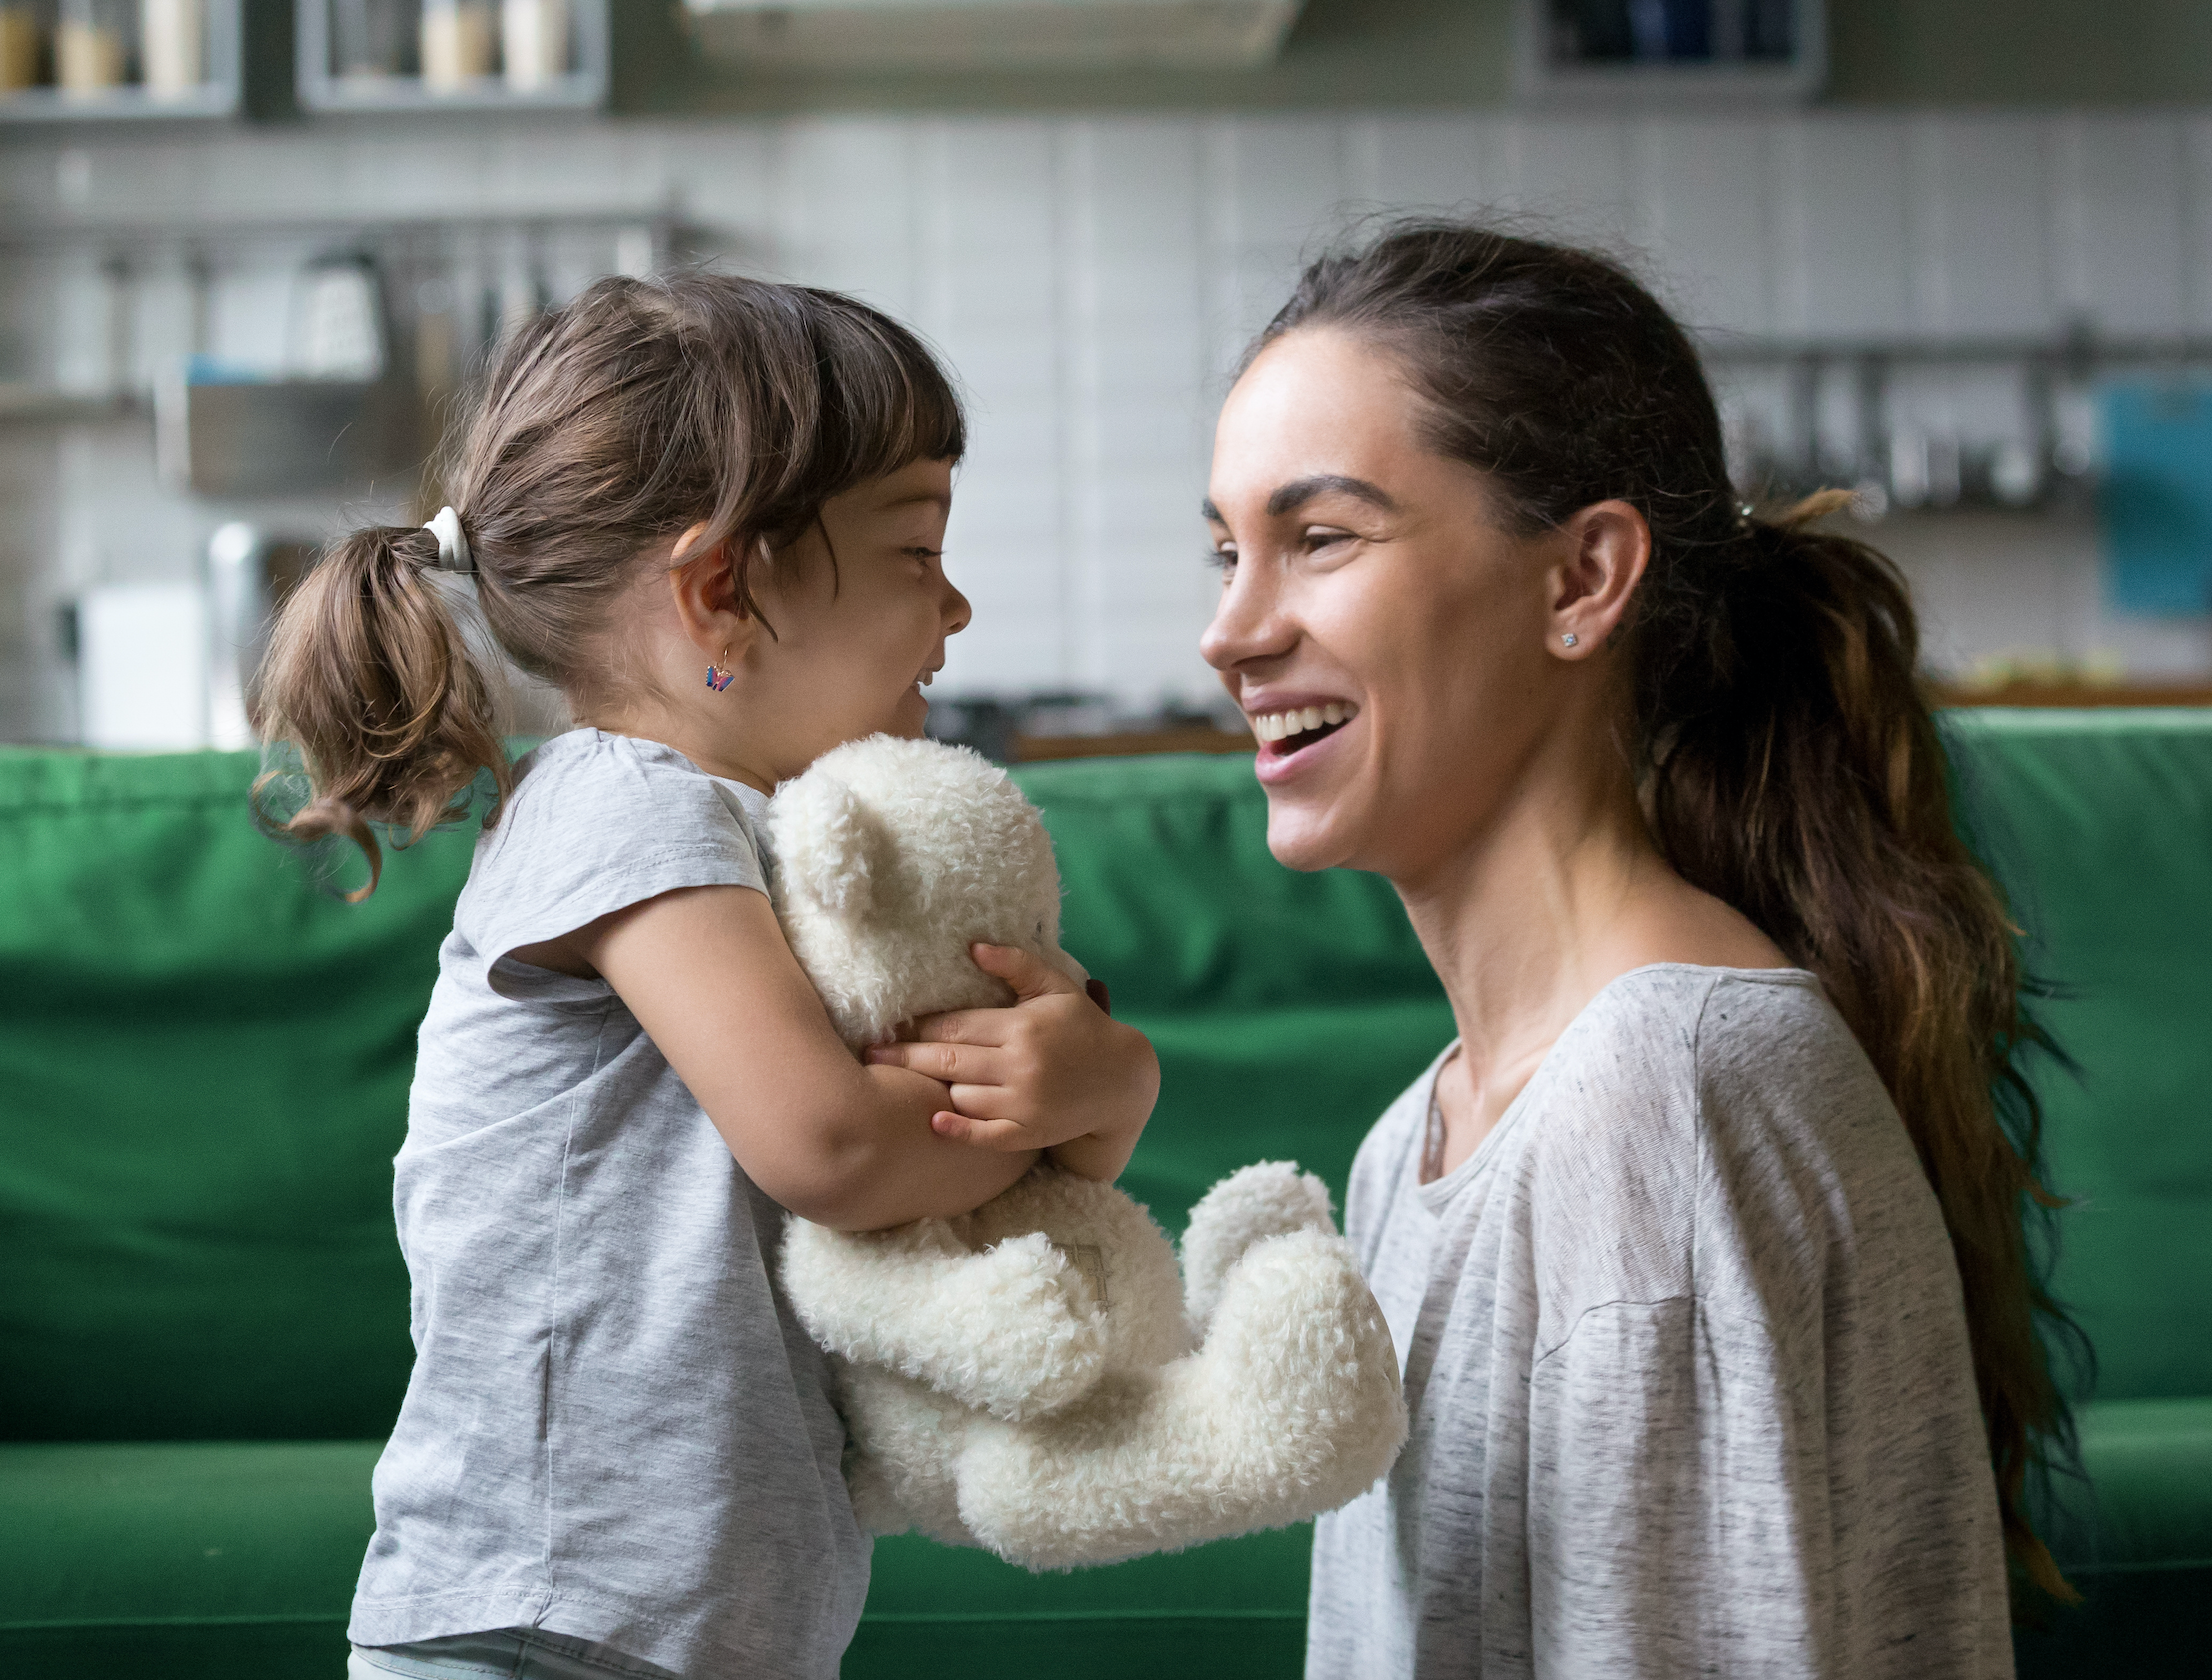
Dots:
{"x": 707, "y": 973}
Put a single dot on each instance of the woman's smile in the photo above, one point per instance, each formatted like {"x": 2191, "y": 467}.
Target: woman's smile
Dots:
{"x": 1298, "y": 733}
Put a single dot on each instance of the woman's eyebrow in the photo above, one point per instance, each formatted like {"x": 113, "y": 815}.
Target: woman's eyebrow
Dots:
{"x": 1288, "y": 498}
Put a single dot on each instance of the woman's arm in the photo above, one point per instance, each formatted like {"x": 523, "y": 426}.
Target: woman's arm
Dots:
{"x": 707, "y": 973}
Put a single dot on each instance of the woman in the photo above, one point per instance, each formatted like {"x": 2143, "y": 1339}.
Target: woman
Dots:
{"x": 1702, "y": 1242}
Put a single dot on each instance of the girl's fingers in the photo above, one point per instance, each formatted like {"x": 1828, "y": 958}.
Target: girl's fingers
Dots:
{"x": 982, "y": 1134}
{"x": 963, "y": 1026}
{"x": 1025, "y": 971}
{"x": 951, "y": 1064}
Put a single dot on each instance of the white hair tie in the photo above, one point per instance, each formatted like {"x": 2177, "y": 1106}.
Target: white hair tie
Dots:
{"x": 452, "y": 547}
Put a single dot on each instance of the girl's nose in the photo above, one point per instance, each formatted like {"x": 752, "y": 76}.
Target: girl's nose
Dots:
{"x": 957, "y": 612}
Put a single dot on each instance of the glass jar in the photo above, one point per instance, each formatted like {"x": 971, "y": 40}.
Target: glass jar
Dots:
{"x": 458, "y": 41}
{"x": 534, "y": 43}
{"x": 172, "y": 46}
{"x": 370, "y": 38}
{"x": 92, "y": 46}
{"x": 19, "y": 44}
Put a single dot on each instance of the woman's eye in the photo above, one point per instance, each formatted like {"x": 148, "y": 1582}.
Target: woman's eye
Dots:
{"x": 1316, "y": 540}
{"x": 1222, "y": 560}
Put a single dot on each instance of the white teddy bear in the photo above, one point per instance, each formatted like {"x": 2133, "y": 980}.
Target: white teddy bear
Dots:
{"x": 1032, "y": 1377}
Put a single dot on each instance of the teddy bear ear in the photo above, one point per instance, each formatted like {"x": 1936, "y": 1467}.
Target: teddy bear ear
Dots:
{"x": 830, "y": 846}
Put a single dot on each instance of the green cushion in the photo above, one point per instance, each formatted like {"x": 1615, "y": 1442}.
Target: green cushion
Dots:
{"x": 204, "y": 1058}
{"x": 215, "y": 1560}
{"x": 1231, "y": 1610}
{"x": 2136, "y": 1544}
{"x": 172, "y": 1556}
{"x": 2100, "y": 825}
{"x": 239, "y": 1558}
{"x": 2149, "y": 1499}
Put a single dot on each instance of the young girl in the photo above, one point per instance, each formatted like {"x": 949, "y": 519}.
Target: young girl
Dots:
{"x": 712, "y": 511}
{"x": 1702, "y": 1243}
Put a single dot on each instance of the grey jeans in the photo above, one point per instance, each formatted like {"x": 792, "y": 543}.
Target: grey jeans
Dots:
{"x": 508, "y": 1653}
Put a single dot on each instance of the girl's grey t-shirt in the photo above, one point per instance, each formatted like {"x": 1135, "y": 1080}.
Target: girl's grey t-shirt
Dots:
{"x": 1685, "y": 1355}
{"x": 616, "y": 1428}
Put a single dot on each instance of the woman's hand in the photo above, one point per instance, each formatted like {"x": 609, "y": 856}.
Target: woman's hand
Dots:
{"x": 1054, "y": 1072}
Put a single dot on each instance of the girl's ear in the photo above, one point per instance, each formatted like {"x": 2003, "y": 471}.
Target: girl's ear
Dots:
{"x": 705, "y": 586}
{"x": 1609, "y": 547}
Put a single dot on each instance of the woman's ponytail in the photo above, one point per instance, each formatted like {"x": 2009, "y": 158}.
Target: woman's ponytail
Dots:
{"x": 1778, "y": 725}
{"x": 369, "y": 677}
{"x": 1793, "y": 769}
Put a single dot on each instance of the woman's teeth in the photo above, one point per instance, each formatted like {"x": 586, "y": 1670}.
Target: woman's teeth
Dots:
{"x": 1279, "y": 726}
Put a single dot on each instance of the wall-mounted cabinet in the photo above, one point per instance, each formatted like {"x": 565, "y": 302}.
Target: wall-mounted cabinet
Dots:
{"x": 74, "y": 60}
{"x": 430, "y": 55}
{"x": 1671, "y": 51}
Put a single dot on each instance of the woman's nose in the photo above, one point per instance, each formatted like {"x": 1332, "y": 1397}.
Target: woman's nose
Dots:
{"x": 1247, "y": 623}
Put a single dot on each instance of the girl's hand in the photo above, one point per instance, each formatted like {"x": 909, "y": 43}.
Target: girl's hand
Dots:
{"x": 1054, "y": 1072}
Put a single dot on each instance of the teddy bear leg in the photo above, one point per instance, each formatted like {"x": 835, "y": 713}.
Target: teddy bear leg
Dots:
{"x": 905, "y": 1442}
{"x": 1267, "y": 1199}
{"x": 1291, "y": 1408}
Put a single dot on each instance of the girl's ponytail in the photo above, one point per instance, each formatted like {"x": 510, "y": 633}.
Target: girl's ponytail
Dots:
{"x": 1776, "y": 722}
{"x": 1793, "y": 769}
{"x": 369, "y": 677}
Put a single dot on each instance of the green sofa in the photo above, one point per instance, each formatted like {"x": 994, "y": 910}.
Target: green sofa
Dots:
{"x": 203, "y": 1058}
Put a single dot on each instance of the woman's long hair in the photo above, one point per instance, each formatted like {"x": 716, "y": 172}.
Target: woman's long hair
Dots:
{"x": 603, "y": 430}
{"x": 1783, "y": 745}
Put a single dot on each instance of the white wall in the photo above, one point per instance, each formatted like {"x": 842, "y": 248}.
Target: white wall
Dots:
{"x": 1093, "y": 278}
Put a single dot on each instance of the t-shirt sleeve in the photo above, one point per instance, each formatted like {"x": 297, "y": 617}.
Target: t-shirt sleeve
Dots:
{"x": 1780, "y": 1471}
{"x": 1676, "y": 1511}
{"x": 594, "y": 831}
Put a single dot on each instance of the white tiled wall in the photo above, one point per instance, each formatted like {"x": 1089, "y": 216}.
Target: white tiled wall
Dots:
{"x": 1093, "y": 278}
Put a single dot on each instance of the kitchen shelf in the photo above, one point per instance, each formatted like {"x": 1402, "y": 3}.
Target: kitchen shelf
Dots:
{"x": 218, "y": 96}
{"x": 39, "y": 405}
{"x": 1627, "y": 51}
{"x": 318, "y": 89}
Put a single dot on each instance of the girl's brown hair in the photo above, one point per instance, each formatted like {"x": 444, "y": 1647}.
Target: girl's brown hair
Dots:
{"x": 1787, "y": 756}
{"x": 603, "y": 430}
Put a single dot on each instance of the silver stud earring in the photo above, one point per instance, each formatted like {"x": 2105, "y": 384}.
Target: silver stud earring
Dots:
{"x": 1568, "y": 639}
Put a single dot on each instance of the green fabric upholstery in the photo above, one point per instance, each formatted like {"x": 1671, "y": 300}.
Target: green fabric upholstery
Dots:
{"x": 204, "y": 1057}
{"x": 204, "y": 1063}
{"x": 226, "y": 1559}
{"x": 2100, "y": 826}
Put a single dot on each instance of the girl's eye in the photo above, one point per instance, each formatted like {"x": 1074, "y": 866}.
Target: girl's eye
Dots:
{"x": 924, "y": 554}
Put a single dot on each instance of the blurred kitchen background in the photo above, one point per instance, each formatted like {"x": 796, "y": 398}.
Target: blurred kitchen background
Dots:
{"x": 1956, "y": 257}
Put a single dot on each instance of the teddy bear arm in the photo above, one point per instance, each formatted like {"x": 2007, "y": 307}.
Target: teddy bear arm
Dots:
{"x": 1011, "y": 1331}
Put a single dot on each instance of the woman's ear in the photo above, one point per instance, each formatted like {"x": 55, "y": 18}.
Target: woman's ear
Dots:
{"x": 708, "y": 600}
{"x": 1608, "y": 546}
